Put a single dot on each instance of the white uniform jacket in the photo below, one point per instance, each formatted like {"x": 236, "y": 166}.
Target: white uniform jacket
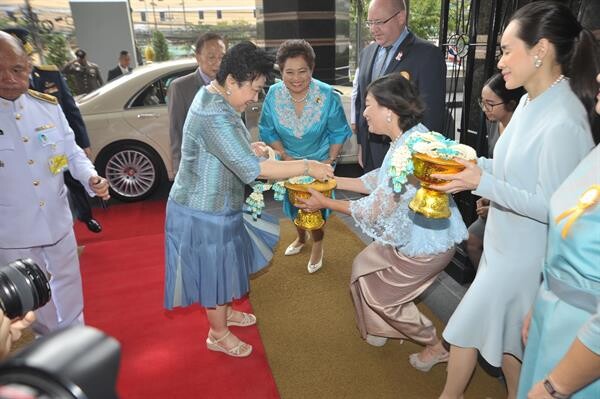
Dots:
{"x": 36, "y": 145}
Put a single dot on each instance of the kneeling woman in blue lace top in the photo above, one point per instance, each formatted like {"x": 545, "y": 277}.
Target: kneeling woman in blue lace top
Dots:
{"x": 210, "y": 248}
{"x": 409, "y": 250}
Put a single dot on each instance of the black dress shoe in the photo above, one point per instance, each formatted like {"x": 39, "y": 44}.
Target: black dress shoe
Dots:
{"x": 93, "y": 226}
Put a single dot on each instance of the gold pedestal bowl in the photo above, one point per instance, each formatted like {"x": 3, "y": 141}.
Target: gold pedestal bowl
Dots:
{"x": 304, "y": 219}
{"x": 431, "y": 203}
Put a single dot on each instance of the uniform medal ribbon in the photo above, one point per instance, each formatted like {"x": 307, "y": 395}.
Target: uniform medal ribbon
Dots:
{"x": 588, "y": 199}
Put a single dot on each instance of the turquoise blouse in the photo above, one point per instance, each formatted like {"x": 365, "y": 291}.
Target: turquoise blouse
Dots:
{"x": 309, "y": 136}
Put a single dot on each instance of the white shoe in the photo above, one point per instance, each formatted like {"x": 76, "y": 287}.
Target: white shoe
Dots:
{"x": 293, "y": 249}
{"x": 376, "y": 340}
{"x": 313, "y": 267}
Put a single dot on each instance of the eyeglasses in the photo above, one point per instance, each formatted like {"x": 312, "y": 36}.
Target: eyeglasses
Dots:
{"x": 380, "y": 23}
{"x": 485, "y": 106}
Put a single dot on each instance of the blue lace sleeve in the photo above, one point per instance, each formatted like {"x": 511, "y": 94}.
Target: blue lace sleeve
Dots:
{"x": 370, "y": 180}
{"x": 384, "y": 215}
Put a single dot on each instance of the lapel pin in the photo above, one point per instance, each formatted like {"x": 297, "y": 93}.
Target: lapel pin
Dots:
{"x": 399, "y": 56}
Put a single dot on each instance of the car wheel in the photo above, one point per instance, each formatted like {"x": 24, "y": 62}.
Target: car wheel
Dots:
{"x": 133, "y": 170}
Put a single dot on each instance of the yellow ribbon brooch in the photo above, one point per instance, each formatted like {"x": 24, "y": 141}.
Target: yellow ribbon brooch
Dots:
{"x": 589, "y": 198}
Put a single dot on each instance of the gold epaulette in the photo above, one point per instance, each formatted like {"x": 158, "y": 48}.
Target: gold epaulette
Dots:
{"x": 48, "y": 68}
{"x": 42, "y": 96}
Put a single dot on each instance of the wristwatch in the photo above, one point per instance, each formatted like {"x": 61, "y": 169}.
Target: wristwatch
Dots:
{"x": 553, "y": 392}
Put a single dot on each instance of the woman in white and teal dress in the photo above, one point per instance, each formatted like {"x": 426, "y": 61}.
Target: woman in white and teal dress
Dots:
{"x": 303, "y": 118}
{"x": 562, "y": 339}
{"x": 548, "y": 135}
{"x": 409, "y": 250}
{"x": 210, "y": 248}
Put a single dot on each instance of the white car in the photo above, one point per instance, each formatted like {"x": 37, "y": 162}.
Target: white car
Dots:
{"x": 128, "y": 124}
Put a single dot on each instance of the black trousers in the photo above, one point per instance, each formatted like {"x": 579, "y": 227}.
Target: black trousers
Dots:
{"x": 79, "y": 198}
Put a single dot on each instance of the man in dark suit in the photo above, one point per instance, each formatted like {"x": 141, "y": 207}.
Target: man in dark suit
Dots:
{"x": 210, "y": 49}
{"x": 396, "y": 50}
{"x": 48, "y": 79}
{"x": 122, "y": 67}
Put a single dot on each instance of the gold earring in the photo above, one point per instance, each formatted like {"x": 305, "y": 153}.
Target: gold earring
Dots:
{"x": 538, "y": 62}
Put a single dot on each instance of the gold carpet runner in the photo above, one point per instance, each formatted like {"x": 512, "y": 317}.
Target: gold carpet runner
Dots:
{"x": 307, "y": 325}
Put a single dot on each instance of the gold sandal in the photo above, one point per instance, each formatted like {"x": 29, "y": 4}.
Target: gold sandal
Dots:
{"x": 236, "y": 351}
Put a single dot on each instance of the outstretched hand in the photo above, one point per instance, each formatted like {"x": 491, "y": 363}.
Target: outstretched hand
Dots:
{"x": 467, "y": 179}
{"x": 320, "y": 171}
{"x": 260, "y": 149}
{"x": 316, "y": 201}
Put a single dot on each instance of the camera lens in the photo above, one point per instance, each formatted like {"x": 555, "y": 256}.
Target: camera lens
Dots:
{"x": 23, "y": 287}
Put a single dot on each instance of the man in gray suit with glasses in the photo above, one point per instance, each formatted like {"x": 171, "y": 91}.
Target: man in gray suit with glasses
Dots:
{"x": 210, "y": 49}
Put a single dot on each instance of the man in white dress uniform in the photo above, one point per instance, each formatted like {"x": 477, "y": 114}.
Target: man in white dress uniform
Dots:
{"x": 36, "y": 147}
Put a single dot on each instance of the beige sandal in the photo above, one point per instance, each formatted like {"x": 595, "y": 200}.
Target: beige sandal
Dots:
{"x": 242, "y": 349}
{"x": 248, "y": 319}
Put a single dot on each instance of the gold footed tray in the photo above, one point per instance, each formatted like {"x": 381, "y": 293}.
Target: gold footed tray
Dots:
{"x": 304, "y": 219}
{"x": 431, "y": 203}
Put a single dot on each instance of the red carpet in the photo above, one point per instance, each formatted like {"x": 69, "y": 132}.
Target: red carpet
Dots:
{"x": 164, "y": 353}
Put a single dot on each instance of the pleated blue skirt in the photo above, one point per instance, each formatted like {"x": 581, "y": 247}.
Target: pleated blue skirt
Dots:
{"x": 210, "y": 256}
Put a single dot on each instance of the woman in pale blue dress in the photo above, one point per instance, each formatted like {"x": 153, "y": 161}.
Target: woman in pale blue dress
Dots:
{"x": 303, "y": 118}
{"x": 548, "y": 135}
{"x": 562, "y": 339}
{"x": 211, "y": 249}
{"x": 409, "y": 250}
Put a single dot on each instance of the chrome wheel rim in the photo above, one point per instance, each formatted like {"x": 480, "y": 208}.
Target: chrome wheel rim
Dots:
{"x": 130, "y": 173}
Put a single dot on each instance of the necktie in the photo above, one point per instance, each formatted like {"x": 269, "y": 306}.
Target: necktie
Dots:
{"x": 380, "y": 62}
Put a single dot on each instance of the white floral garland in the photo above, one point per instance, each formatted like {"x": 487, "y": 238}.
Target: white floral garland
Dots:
{"x": 432, "y": 144}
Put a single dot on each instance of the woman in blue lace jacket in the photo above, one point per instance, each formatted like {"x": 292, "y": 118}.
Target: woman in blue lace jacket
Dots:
{"x": 209, "y": 249}
{"x": 409, "y": 250}
{"x": 303, "y": 118}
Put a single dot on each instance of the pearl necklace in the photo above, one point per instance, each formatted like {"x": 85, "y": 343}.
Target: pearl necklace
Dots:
{"x": 212, "y": 84}
{"x": 300, "y": 100}
{"x": 560, "y": 78}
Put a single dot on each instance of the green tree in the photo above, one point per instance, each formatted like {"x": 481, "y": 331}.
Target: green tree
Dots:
{"x": 424, "y": 18}
{"x": 56, "y": 49}
{"x": 160, "y": 45}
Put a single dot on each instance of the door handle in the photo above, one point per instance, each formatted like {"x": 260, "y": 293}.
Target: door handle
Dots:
{"x": 146, "y": 116}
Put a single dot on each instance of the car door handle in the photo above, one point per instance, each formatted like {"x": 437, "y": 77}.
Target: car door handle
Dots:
{"x": 254, "y": 108}
{"x": 146, "y": 116}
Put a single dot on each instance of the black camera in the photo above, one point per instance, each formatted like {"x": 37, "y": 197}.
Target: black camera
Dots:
{"x": 23, "y": 287}
{"x": 74, "y": 363}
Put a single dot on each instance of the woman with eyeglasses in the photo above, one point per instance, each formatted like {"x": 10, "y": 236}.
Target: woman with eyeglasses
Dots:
{"x": 498, "y": 103}
{"x": 548, "y": 52}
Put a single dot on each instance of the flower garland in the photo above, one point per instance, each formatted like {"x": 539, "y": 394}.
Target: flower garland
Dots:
{"x": 432, "y": 144}
{"x": 256, "y": 200}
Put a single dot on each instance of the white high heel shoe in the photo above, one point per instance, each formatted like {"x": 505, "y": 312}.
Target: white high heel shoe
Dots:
{"x": 313, "y": 267}
{"x": 295, "y": 247}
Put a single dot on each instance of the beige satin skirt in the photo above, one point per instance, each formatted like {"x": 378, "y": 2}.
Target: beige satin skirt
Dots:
{"x": 385, "y": 283}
